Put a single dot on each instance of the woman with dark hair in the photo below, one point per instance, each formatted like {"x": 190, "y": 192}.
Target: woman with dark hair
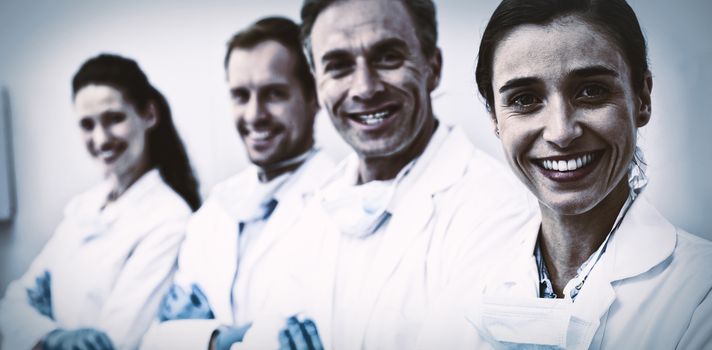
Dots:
{"x": 568, "y": 86}
{"x": 98, "y": 281}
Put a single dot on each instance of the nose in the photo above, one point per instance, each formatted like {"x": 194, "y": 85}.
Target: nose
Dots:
{"x": 562, "y": 126}
{"x": 254, "y": 112}
{"x": 366, "y": 83}
{"x": 100, "y": 138}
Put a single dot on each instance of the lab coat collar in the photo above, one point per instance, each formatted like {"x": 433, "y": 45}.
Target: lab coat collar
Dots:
{"x": 292, "y": 198}
{"x": 222, "y": 225}
{"x": 643, "y": 240}
{"x": 88, "y": 212}
{"x": 440, "y": 166}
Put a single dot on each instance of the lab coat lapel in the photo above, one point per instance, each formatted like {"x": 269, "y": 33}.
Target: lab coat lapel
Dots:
{"x": 324, "y": 262}
{"x": 509, "y": 312}
{"x": 274, "y": 230}
{"x": 223, "y": 263}
{"x": 643, "y": 240}
{"x": 290, "y": 205}
{"x": 399, "y": 237}
{"x": 440, "y": 166}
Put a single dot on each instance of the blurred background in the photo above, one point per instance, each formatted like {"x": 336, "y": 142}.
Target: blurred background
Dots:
{"x": 180, "y": 45}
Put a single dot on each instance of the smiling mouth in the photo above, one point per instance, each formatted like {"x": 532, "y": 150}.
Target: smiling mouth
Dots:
{"x": 260, "y": 135}
{"x": 110, "y": 155}
{"x": 373, "y": 118}
{"x": 568, "y": 163}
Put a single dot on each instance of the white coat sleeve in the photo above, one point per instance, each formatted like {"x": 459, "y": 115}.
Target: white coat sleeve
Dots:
{"x": 144, "y": 279}
{"x": 180, "y": 334}
{"x": 699, "y": 332}
{"x": 22, "y": 326}
{"x": 187, "y": 333}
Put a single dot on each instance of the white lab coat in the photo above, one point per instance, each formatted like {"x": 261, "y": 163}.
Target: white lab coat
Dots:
{"x": 650, "y": 290}
{"x": 453, "y": 205}
{"x": 109, "y": 268}
{"x": 209, "y": 257}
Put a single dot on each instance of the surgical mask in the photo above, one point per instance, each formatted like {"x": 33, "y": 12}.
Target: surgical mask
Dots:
{"x": 361, "y": 210}
{"x": 637, "y": 180}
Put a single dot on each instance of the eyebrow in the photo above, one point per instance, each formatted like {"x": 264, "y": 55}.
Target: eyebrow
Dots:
{"x": 517, "y": 82}
{"x": 390, "y": 43}
{"x": 585, "y": 72}
{"x": 378, "y": 46}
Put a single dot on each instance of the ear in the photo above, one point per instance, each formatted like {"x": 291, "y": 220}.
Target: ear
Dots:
{"x": 645, "y": 108}
{"x": 493, "y": 118}
{"x": 150, "y": 117}
{"x": 436, "y": 65}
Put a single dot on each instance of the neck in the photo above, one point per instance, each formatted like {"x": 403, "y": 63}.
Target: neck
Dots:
{"x": 121, "y": 183}
{"x": 274, "y": 170}
{"x": 388, "y": 167}
{"x": 568, "y": 240}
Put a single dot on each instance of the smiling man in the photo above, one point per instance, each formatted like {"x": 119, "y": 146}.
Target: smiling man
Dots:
{"x": 230, "y": 252}
{"x": 410, "y": 213}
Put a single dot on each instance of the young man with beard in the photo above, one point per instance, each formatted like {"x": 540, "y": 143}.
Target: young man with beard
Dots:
{"x": 231, "y": 250}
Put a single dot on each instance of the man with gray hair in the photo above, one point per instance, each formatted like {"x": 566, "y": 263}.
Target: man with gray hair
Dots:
{"x": 410, "y": 213}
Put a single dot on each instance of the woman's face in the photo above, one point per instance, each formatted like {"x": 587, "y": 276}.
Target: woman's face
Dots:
{"x": 113, "y": 131}
{"x": 566, "y": 112}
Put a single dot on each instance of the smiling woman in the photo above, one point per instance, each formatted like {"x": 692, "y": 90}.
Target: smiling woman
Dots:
{"x": 567, "y": 85}
{"x": 98, "y": 281}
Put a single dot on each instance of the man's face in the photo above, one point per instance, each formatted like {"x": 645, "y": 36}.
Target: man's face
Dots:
{"x": 372, "y": 76}
{"x": 273, "y": 116}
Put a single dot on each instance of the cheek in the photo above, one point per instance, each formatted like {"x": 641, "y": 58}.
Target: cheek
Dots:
{"x": 330, "y": 91}
{"x": 86, "y": 138}
{"x": 517, "y": 139}
{"x": 408, "y": 79}
{"x": 615, "y": 126}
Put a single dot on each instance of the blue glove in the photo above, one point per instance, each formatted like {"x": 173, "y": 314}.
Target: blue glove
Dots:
{"x": 40, "y": 297}
{"x": 299, "y": 336}
{"x": 80, "y": 339}
{"x": 179, "y": 305}
{"x": 226, "y": 336}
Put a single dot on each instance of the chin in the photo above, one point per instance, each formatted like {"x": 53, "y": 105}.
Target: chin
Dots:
{"x": 569, "y": 206}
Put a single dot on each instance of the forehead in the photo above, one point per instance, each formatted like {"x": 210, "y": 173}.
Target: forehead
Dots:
{"x": 268, "y": 62}
{"x": 93, "y": 99}
{"x": 553, "y": 50}
{"x": 356, "y": 24}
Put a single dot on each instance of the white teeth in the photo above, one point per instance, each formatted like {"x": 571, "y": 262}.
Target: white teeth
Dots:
{"x": 106, "y": 154}
{"x": 571, "y": 164}
{"x": 259, "y": 135}
{"x": 567, "y": 165}
{"x": 373, "y": 118}
{"x": 562, "y": 165}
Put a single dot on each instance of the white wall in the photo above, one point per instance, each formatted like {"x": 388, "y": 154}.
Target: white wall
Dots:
{"x": 180, "y": 45}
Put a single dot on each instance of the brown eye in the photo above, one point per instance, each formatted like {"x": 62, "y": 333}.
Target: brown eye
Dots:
{"x": 337, "y": 66}
{"x": 277, "y": 94}
{"x": 524, "y": 101}
{"x": 593, "y": 91}
{"x": 240, "y": 96}
{"x": 86, "y": 124}
{"x": 115, "y": 118}
{"x": 389, "y": 59}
